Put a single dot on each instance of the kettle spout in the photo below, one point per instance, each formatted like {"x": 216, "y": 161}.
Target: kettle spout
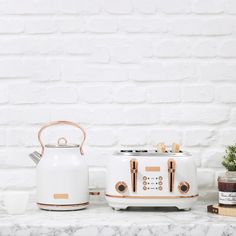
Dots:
{"x": 35, "y": 156}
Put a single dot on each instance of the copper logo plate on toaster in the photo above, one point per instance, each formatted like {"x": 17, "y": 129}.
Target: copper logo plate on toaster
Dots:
{"x": 60, "y": 196}
{"x": 152, "y": 168}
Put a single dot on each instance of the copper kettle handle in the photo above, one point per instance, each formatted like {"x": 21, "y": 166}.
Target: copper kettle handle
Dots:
{"x": 62, "y": 122}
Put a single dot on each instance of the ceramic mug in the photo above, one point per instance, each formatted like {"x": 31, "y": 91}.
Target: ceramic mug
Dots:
{"x": 15, "y": 202}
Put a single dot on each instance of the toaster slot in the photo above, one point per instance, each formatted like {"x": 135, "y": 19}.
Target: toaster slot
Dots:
{"x": 134, "y": 174}
{"x": 129, "y": 151}
{"x": 171, "y": 174}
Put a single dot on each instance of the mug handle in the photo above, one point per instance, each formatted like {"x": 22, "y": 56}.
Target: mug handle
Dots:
{"x": 61, "y": 122}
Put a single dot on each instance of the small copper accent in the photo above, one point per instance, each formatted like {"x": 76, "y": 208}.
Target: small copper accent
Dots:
{"x": 160, "y": 188}
{"x": 144, "y": 188}
{"x": 171, "y": 174}
{"x": 144, "y": 177}
{"x": 151, "y": 197}
{"x": 61, "y": 196}
{"x": 134, "y": 174}
{"x": 71, "y": 205}
{"x": 152, "y": 168}
{"x": 160, "y": 178}
{"x": 160, "y": 183}
{"x": 122, "y": 185}
{"x": 94, "y": 193}
{"x": 183, "y": 184}
{"x": 144, "y": 183}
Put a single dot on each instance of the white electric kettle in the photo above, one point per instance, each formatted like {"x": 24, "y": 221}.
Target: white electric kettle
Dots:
{"x": 62, "y": 173}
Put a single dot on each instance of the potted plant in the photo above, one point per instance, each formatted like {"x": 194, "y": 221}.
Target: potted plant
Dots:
{"x": 229, "y": 161}
{"x": 227, "y": 182}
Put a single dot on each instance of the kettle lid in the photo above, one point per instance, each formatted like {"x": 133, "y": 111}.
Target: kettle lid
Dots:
{"x": 62, "y": 143}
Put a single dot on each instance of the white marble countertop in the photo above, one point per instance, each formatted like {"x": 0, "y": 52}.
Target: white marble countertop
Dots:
{"x": 99, "y": 219}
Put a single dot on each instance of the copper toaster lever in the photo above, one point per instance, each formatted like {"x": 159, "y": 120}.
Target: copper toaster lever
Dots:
{"x": 171, "y": 174}
{"x": 134, "y": 174}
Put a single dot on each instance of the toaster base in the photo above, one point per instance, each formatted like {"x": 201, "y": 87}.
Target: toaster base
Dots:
{"x": 72, "y": 207}
{"x": 121, "y": 203}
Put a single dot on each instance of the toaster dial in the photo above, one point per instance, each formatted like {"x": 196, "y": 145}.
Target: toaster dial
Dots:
{"x": 184, "y": 187}
{"x": 121, "y": 187}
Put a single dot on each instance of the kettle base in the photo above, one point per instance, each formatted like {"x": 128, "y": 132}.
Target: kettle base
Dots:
{"x": 72, "y": 207}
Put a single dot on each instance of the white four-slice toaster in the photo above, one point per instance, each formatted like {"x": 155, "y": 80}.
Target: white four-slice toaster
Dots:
{"x": 146, "y": 178}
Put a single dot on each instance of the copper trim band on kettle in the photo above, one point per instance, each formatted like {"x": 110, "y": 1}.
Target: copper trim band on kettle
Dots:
{"x": 61, "y": 123}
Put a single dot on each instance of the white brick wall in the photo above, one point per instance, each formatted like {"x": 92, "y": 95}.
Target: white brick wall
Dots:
{"x": 132, "y": 72}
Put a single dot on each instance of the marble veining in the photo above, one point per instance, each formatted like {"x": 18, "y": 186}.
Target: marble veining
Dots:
{"x": 99, "y": 219}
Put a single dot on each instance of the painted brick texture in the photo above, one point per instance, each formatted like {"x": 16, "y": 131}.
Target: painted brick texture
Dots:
{"x": 132, "y": 72}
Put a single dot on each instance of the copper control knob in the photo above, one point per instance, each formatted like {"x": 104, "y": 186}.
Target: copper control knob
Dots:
{"x": 121, "y": 187}
{"x": 183, "y": 187}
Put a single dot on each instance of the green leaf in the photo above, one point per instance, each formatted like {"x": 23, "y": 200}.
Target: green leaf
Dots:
{"x": 229, "y": 161}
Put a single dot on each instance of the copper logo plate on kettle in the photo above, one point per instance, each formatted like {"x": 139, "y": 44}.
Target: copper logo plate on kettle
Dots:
{"x": 61, "y": 196}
